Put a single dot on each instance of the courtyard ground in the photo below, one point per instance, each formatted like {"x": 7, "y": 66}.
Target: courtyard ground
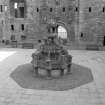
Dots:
{"x": 92, "y": 93}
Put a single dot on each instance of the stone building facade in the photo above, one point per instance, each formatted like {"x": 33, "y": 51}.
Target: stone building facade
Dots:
{"x": 27, "y": 20}
{"x": 92, "y": 22}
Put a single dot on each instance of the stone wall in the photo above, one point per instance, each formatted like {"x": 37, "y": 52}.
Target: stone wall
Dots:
{"x": 92, "y": 21}
{"x": 2, "y": 18}
{"x": 83, "y": 19}
{"x": 36, "y": 29}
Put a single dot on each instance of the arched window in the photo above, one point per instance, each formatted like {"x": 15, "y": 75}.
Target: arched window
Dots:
{"x": 18, "y": 8}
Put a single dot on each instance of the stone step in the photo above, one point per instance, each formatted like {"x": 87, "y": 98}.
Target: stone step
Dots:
{"x": 28, "y": 45}
{"x": 75, "y": 46}
{"x": 92, "y": 47}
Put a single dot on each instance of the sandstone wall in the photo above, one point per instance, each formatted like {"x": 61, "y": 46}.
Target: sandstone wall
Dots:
{"x": 2, "y": 18}
{"x": 32, "y": 22}
{"x": 92, "y": 22}
{"x": 83, "y": 25}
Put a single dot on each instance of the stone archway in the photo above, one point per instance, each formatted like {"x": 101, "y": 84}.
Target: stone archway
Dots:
{"x": 62, "y": 31}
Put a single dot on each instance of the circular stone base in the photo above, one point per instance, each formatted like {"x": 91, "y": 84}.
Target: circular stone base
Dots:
{"x": 25, "y": 77}
{"x": 53, "y": 73}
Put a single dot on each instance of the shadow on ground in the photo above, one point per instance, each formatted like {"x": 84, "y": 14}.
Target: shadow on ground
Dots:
{"x": 24, "y": 76}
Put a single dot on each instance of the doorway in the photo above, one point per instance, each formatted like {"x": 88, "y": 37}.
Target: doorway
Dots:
{"x": 62, "y": 32}
{"x": 104, "y": 41}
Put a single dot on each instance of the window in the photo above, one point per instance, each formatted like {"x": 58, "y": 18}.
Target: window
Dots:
{"x": 90, "y": 9}
{"x": 12, "y": 27}
{"x": 37, "y": 9}
{"x": 63, "y": 9}
{"x": 12, "y": 37}
{"x": 48, "y": 30}
{"x": 103, "y": 9}
{"x": 76, "y": 9}
{"x": 51, "y": 9}
{"x": 70, "y": 8}
{"x": 18, "y": 8}
{"x": 16, "y": 5}
{"x": 104, "y": 41}
{"x": 5, "y": 8}
{"x": 57, "y": 2}
{"x": 52, "y": 56}
{"x": 21, "y": 9}
{"x": 2, "y": 22}
{"x": 22, "y": 27}
{"x": 53, "y": 29}
{"x": 16, "y": 13}
{"x": 39, "y": 41}
{"x": 1, "y": 8}
{"x": 81, "y": 34}
{"x": 23, "y": 37}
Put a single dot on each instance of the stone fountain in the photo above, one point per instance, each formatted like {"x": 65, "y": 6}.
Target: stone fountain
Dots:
{"x": 51, "y": 59}
{"x": 50, "y": 68}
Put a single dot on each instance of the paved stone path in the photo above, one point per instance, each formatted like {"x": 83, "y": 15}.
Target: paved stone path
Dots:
{"x": 89, "y": 94}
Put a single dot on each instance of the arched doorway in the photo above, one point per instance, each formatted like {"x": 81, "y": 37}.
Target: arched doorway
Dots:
{"x": 60, "y": 30}
{"x": 62, "y": 34}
